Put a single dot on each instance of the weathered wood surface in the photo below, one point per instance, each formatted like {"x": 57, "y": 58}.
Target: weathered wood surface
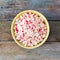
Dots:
{"x": 50, "y": 8}
{"x": 11, "y": 51}
{"x": 5, "y": 33}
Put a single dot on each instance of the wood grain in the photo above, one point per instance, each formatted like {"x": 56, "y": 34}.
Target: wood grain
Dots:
{"x": 5, "y": 28}
{"x": 50, "y": 8}
{"x": 5, "y": 33}
{"x": 11, "y": 51}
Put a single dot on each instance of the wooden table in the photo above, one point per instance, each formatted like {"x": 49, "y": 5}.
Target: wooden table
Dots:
{"x": 9, "y": 50}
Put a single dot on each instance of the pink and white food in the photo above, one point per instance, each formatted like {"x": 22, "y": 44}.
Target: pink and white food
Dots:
{"x": 30, "y": 29}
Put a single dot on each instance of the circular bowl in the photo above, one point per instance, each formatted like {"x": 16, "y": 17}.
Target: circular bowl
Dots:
{"x": 38, "y": 13}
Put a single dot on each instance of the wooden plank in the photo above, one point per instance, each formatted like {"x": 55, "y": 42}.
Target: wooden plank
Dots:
{"x": 5, "y": 33}
{"x": 50, "y": 8}
{"x": 54, "y": 31}
{"x": 11, "y": 51}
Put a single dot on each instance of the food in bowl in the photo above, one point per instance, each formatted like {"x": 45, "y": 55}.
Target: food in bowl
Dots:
{"x": 30, "y": 29}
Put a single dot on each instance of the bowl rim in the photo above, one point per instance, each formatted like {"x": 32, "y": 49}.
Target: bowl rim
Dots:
{"x": 41, "y": 43}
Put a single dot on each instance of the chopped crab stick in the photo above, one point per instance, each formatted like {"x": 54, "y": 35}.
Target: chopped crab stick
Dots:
{"x": 30, "y": 29}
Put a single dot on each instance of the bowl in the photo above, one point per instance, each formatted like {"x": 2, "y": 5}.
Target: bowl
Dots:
{"x": 42, "y": 18}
